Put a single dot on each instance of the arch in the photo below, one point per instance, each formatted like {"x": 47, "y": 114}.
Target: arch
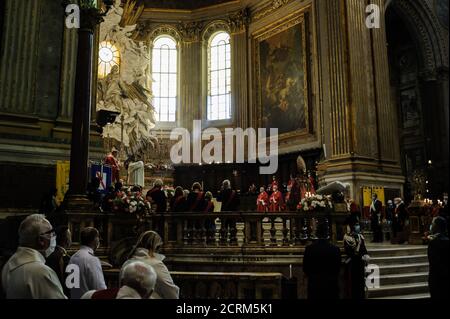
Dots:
{"x": 164, "y": 30}
{"x": 427, "y": 33}
{"x": 214, "y": 27}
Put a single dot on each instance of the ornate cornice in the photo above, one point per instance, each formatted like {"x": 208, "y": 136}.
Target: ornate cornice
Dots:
{"x": 268, "y": 9}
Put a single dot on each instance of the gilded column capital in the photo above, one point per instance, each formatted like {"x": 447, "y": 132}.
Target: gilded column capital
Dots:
{"x": 190, "y": 31}
{"x": 239, "y": 21}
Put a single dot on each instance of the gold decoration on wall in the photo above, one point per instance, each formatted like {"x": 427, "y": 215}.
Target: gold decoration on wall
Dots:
{"x": 264, "y": 12}
{"x": 190, "y": 31}
{"x": 239, "y": 21}
{"x": 132, "y": 11}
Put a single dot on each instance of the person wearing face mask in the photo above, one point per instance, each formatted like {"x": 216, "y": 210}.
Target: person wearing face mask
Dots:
{"x": 25, "y": 275}
{"x": 90, "y": 267}
{"x": 357, "y": 258}
{"x": 146, "y": 250}
{"x": 59, "y": 259}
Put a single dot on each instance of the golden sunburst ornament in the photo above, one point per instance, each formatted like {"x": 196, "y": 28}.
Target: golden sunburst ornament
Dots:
{"x": 108, "y": 56}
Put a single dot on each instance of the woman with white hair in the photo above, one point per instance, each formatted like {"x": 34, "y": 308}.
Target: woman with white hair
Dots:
{"x": 25, "y": 275}
{"x": 136, "y": 281}
{"x": 146, "y": 250}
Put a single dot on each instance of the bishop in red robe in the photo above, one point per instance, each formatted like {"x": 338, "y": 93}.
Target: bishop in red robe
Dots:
{"x": 262, "y": 201}
{"x": 111, "y": 160}
{"x": 276, "y": 200}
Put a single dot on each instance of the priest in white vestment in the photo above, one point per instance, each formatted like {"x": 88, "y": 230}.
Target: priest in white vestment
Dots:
{"x": 25, "y": 275}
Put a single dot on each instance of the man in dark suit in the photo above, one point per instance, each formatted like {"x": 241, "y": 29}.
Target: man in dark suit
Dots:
{"x": 375, "y": 219}
{"x": 157, "y": 197}
{"x": 438, "y": 257}
{"x": 59, "y": 259}
{"x": 321, "y": 265}
{"x": 230, "y": 203}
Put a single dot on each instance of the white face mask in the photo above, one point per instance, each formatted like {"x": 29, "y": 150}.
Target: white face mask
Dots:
{"x": 51, "y": 247}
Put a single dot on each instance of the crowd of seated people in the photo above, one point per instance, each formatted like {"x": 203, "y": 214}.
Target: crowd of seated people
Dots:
{"x": 42, "y": 269}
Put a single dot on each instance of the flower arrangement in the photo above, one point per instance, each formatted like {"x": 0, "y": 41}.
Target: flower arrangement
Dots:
{"x": 315, "y": 202}
{"x": 132, "y": 203}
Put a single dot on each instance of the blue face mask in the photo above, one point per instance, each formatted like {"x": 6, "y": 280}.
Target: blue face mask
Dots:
{"x": 357, "y": 229}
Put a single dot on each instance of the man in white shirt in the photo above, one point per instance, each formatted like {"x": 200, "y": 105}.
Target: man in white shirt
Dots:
{"x": 25, "y": 275}
{"x": 91, "y": 273}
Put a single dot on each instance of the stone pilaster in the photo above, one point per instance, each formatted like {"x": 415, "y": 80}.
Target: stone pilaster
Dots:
{"x": 239, "y": 74}
{"x": 190, "y": 73}
{"x": 359, "y": 119}
{"x": 69, "y": 64}
{"x": 17, "y": 75}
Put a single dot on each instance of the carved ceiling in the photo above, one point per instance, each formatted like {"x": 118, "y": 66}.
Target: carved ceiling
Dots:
{"x": 182, "y": 4}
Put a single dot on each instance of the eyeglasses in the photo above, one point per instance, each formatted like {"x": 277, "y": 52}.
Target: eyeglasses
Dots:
{"x": 50, "y": 232}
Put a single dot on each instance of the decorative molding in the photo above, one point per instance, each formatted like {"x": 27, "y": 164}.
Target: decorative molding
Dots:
{"x": 213, "y": 27}
{"x": 265, "y": 11}
{"x": 160, "y": 30}
{"x": 423, "y": 20}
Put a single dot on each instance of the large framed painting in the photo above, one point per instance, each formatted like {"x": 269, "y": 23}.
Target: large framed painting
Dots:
{"x": 281, "y": 76}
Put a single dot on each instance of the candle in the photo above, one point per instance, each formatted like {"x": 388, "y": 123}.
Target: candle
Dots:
{"x": 290, "y": 271}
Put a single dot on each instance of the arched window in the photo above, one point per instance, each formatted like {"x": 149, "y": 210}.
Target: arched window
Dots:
{"x": 219, "y": 77}
{"x": 164, "y": 75}
{"x": 108, "y": 56}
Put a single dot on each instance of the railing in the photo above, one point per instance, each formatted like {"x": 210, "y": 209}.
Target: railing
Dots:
{"x": 217, "y": 285}
{"x": 244, "y": 228}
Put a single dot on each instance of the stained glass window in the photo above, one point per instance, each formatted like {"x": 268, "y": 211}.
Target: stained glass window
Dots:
{"x": 219, "y": 77}
{"x": 108, "y": 56}
{"x": 164, "y": 74}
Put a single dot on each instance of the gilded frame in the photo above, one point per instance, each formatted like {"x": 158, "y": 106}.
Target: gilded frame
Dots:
{"x": 298, "y": 18}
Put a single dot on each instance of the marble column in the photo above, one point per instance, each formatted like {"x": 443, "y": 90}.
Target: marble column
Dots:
{"x": 79, "y": 153}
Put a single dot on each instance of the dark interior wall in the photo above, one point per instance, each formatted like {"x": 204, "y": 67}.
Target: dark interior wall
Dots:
{"x": 23, "y": 185}
{"x": 2, "y": 19}
{"x": 241, "y": 175}
{"x": 421, "y": 109}
{"x": 49, "y": 58}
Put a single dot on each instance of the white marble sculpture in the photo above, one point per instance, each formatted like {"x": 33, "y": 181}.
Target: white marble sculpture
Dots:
{"x": 126, "y": 90}
{"x": 136, "y": 173}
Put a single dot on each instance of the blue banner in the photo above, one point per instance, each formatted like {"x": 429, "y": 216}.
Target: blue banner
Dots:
{"x": 104, "y": 174}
